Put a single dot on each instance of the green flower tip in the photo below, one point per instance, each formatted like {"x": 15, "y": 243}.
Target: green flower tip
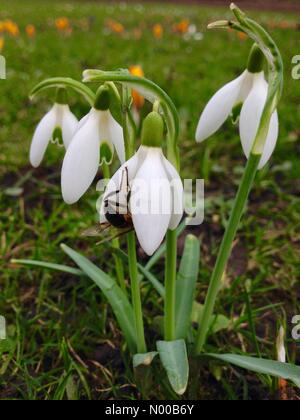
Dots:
{"x": 61, "y": 96}
{"x": 102, "y": 100}
{"x": 153, "y": 130}
{"x": 256, "y": 60}
{"x": 106, "y": 153}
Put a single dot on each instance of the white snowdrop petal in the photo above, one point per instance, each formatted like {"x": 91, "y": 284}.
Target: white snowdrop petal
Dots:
{"x": 69, "y": 126}
{"x": 250, "y": 119}
{"x": 42, "y": 137}
{"x": 219, "y": 108}
{"x": 81, "y": 161}
{"x": 271, "y": 141}
{"x": 151, "y": 202}
{"x": 117, "y": 138}
{"x": 83, "y": 121}
{"x": 177, "y": 194}
{"x": 246, "y": 86}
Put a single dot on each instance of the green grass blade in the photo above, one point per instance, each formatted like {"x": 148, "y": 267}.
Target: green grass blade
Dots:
{"x": 113, "y": 293}
{"x": 153, "y": 280}
{"x": 145, "y": 273}
{"x": 268, "y": 367}
{"x": 186, "y": 285}
{"x": 50, "y": 266}
{"x": 173, "y": 355}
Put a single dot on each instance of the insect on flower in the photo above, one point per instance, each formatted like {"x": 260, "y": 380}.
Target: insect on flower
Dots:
{"x": 116, "y": 216}
{"x": 116, "y": 205}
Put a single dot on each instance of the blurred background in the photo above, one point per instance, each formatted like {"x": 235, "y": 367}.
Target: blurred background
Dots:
{"x": 54, "y": 319}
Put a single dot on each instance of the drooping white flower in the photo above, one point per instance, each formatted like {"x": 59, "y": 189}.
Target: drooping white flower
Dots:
{"x": 221, "y": 104}
{"x": 250, "y": 90}
{"x": 250, "y": 118}
{"x": 155, "y": 202}
{"x": 58, "y": 119}
{"x": 82, "y": 159}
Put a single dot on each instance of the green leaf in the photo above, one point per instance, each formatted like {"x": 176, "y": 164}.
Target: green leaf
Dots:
{"x": 72, "y": 389}
{"x": 144, "y": 359}
{"x": 217, "y": 322}
{"x": 268, "y": 367}
{"x": 113, "y": 293}
{"x": 153, "y": 280}
{"x": 2, "y": 328}
{"x": 146, "y": 273}
{"x": 50, "y": 266}
{"x": 186, "y": 284}
{"x": 173, "y": 355}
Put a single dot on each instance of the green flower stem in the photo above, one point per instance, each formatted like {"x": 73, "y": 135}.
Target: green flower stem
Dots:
{"x": 129, "y": 138}
{"x": 67, "y": 83}
{"x": 170, "y": 285}
{"x": 275, "y": 79}
{"x": 136, "y": 295}
{"x": 171, "y": 267}
{"x": 226, "y": 246}
{"x": 116, "y": 244}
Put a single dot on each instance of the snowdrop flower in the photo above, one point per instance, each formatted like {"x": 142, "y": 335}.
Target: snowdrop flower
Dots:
{"x": 154, "y": 199}
{"x": 58, "y": 123}
{"x": 97, "y": 135}
{"x": 251, "y": 90}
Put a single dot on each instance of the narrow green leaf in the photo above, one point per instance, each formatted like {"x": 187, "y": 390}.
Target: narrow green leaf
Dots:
{"x": 144, "y": 359}
{"x": 186, "y": 284}
{"x": 72, "y": 389}
{"x": 113, "y": 293}
{"x": 173, "y": 355}
{"x": 153, "y": 280}
{"x": 268, "y": 367}
{"x": 50, "y": 266}
{"x": 146, "y": 273}
{"x": 2, "y": 328}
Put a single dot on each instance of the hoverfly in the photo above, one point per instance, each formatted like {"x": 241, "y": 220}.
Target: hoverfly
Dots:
{"x": 116, "y": 212}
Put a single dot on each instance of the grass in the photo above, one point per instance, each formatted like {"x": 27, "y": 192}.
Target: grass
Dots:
{"x": 63, "y": 340}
